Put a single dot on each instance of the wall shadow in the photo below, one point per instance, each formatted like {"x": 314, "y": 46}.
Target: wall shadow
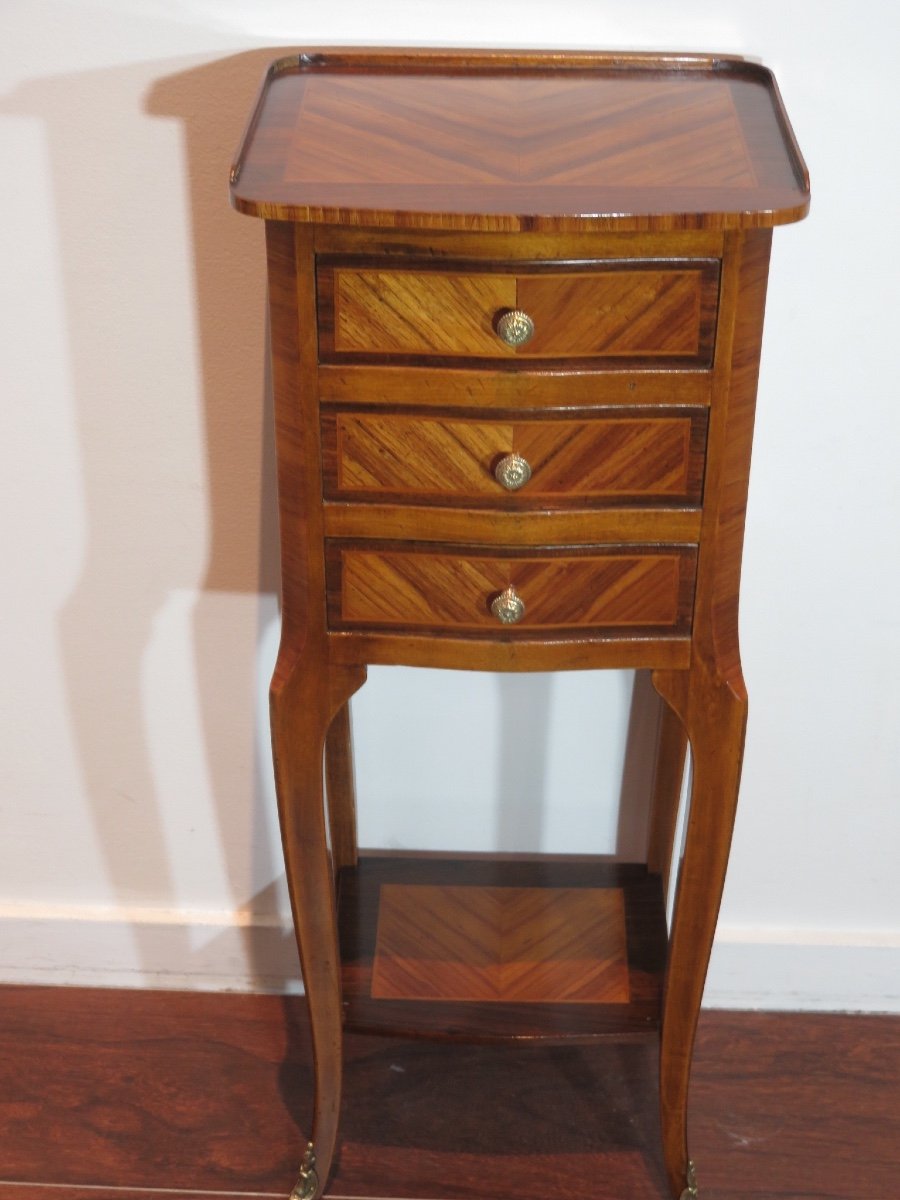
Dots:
{"x": 526, "y": 703}
{"x": 524, "y": 732}
{"x": 133, "y": 371}
{"x": 210, "y": 103}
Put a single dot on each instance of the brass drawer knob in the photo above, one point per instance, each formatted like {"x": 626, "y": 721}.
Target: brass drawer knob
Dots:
{"x": 512, "y": 472}
{"x": 508, "y": 607}
{"x": 515, "y": 328}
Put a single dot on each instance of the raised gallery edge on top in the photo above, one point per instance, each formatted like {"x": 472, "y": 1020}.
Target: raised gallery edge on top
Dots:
{"x": 508, "y": 141}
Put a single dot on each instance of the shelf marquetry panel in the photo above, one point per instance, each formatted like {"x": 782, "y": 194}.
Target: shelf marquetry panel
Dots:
{"x": 493, "y": 944}
{"x": 475, "y": 948}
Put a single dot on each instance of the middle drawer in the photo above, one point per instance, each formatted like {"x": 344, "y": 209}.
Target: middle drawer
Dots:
{"x": 624, "y": 458}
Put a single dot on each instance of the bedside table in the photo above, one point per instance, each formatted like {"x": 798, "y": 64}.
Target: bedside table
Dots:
{"x": 516, "y": 307}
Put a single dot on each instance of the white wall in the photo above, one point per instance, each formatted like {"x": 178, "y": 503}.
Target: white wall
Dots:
{"x": 139, "y": 561}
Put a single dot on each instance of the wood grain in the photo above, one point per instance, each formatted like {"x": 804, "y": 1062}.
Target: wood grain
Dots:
{"x": 560, "y": 526}
{"x": 107, "y": 1093}
{"x": 507, "y": 650}
{"x": 628, "y": 310}
{"x": 668, "y": 776}
{"x": 340, "y": 788}
{"x": 495, "y": 944}
{"x": 494, "y": 142}
{"x": 452, "y": 588}
{"x": 649, "y": 457}
{"x": 446, "y": 245}
{"x": 545, "y": 386}
{"x": 307, "y": 691}
{"x": 710, "y": 700}
{"x": 402, "y": 920}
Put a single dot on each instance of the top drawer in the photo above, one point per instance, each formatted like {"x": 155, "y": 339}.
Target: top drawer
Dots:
{"x": 620, "y": 313}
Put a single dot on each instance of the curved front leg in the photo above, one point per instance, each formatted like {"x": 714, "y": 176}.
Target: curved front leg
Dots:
{"x": 302, "y": 706}
{"x": 341, "y": 790}
{"x": 671, "y": 753}
{"x": 714, "y": 715}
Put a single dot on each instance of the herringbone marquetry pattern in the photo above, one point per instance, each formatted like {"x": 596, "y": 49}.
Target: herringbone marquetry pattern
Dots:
{"x": 508, "y": 142}
{"x": 454, "y": 590}
{"x": 455, "y": 458}
{"x": 566, "y": 132}
{"x": 643, "y": 312}
{"x": 526, "y": 945}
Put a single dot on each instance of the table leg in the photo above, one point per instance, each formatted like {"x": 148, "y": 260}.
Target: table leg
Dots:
{"x": 714, "y": 715}
{"x": 671, "y": 753}
{"x": 303, "y": 699}
{"x": 340, "y": 787}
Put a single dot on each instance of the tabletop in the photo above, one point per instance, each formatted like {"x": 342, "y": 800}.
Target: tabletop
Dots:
{"x": 509, "y": 141}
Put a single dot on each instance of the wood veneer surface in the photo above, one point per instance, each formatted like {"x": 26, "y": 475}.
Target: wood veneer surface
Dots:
{"x": 637, "y": 310}
{"x": 450, "y": 588}
{"x": 501, "y": 944}
{"x": 507, "y": 141}
{"x": 472, "y": 948}
{"x": 649, "y": 456}
{"x": 106, "y": 1094}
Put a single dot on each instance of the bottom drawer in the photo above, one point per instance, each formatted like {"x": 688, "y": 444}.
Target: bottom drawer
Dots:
{"x": 451, "y": 589}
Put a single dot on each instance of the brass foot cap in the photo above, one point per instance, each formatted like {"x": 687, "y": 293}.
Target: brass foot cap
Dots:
{"x": 690, "y": 1192}
{"x": 307, "y": 1186}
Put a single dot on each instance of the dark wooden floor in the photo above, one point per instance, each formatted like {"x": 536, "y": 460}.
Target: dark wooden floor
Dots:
{"x": 164, "y": 1096}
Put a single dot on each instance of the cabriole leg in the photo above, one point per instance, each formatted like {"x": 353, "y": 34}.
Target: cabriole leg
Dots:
{"x": 671, "y": 752}
{"x": 341, "y": 790}
{"x": 714, "y": 715}
{"x": 302, "y": 703}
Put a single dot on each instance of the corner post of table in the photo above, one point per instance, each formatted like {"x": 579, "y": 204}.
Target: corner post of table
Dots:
{"x": 668, "y": 777}
{"x": 340, "y": 786}
{"x": 709, "y": 699}
{"x": 308, "y": 691}
{"x": 302, "y": 710}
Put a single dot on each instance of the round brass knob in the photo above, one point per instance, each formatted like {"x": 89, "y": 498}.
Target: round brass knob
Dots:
{"x": 512, "y": 472}
{"x": 515, "y": 327}
{"x": 508, "y": 607}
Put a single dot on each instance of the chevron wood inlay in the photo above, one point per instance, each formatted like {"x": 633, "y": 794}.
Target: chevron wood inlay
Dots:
{"x": 653, "y": 456}
{"x": 521, "y": 945}
{"x": 453, "y": 589}
{"x": 599, "y": 925}
{"x": 509, "y": 131}
{"x": 617, "y": 310}
{"x": 496, "y": 141}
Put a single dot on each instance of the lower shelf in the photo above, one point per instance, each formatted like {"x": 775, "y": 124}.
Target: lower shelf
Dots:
{"x": 481, "y": 949}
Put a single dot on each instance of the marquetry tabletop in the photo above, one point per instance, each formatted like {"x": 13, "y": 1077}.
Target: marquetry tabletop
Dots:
{"x": 495, "y": 141}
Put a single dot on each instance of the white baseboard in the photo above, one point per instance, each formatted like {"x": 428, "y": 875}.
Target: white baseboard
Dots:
{"x": 809, "y": 970}
{"x": 187, "y": 950}
{"x": 760, "y": 968}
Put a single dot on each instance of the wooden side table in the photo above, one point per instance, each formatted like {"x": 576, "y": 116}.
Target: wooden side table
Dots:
{"x": 516, "y": 309}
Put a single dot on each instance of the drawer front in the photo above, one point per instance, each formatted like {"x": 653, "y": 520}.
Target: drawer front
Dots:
{"x": 609, "y": 460}
{"x": 628, "y": 311}
{"x": 450, "y": 589}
